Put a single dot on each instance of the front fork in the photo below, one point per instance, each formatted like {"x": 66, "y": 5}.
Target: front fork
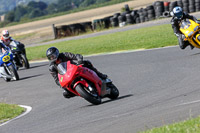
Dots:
{"x": 105, "y": 90}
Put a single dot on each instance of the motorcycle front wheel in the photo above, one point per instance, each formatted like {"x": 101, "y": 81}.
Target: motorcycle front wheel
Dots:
{"x": 13, "y": 72}
{"x": 6, "y": 79}
{"x": 87, "y": 95}
{"x": 114, "y": 91}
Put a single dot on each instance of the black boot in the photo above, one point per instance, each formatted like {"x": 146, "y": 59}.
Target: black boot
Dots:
{"x": 89, "y": 65}
{"x": 191, "y": 46}
{"x": 68, "y": 94}
{"x": 101, "y": 75}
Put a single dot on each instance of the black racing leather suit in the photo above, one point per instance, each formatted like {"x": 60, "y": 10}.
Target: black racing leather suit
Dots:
{"x": 64, "y": 57}
{"x": 2, "y": 45}
{"x": 176, "y": 27}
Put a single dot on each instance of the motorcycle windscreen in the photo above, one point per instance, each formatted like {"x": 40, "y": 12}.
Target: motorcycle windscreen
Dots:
{"x": 14, "y": 43}
{"x": 62, "y": 68}
{"x": 185, "y": 24}
{"x": 188, "y": 27}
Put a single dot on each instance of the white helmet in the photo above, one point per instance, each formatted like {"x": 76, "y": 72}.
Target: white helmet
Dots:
{"x": 5, "y": 34}
{"x": 178, "y": 12}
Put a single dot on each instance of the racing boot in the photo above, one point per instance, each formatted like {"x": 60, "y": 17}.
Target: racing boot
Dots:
{"x": 191, "y": 46}
{"x": 89, "y": 65}
{"x": 101, "y": 75}
{"x": 68, "y": 94}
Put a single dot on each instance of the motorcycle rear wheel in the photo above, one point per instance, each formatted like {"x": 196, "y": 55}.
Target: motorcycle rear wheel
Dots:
{"x": 94, "y": 99}
{"x": 25, "y": 62}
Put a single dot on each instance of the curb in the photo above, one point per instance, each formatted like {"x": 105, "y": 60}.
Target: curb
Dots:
{"x": 28, "y": 109}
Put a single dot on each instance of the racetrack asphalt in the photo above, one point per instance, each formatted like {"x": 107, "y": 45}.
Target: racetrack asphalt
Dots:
{"x": 157, "y": 87}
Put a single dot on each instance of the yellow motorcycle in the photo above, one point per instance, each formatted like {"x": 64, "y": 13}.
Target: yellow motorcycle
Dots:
{"x": 191, "y": 30}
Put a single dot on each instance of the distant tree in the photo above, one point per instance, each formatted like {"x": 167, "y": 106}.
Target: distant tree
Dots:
{"x": 101, "y": 1}
{"x": 40, "y": 5}
{"x": 52, "y": 8}
{"x": 36, "y": 13}
{"x": 10, "y": 17}
{"x": 64, "y": 5}
{"x": 20, "y": 11}
{"x": 86, "y": 3}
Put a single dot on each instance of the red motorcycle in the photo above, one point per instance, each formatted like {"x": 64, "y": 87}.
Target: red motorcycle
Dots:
{"x": 84, "y": 82}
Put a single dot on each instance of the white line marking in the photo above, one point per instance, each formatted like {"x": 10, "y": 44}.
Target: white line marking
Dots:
{"x": 192, "y": 102}
{"x": 28, "y": 109}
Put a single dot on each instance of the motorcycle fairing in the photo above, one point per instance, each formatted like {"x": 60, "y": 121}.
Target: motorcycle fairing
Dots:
{"x": 4, "y": 58}
{"x": 73, "y": 72}
{"x": 189, "y": 28}
{"x": 91, "y": 76}
{"x": 4, "y": 73}
{"x": 197, "y": 40}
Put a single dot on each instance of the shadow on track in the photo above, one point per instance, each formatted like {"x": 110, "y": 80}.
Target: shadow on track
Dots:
{"x": 119, "y": 98}
{"x": 24, "y": 78}
{"x": 195, "y": 54}
{"x": 32, "y": 67}
{"x": 36, "y": 66}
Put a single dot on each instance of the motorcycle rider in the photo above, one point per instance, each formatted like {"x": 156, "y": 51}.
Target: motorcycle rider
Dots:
{"x": 178, "y": 15}
{"x": 55, "y": 58}
{"x": 5, "y": 38}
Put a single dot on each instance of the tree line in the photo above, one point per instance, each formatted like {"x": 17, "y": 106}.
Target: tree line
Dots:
{"x": 34, "y": 9}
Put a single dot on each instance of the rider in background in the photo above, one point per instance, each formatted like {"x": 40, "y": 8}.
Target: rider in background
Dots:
{"x": 55, "y": 58}
{"x": 178, "y": 15}
{"x": 5, "y": 38}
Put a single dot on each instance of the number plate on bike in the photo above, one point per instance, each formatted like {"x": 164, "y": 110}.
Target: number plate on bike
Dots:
{"x": 6, "y": 58}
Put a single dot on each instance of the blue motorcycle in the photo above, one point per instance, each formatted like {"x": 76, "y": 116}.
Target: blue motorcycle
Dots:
{"x": 8, "y": 69}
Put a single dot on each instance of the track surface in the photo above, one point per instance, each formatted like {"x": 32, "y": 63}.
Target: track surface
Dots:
{"x": 156, "y": 87}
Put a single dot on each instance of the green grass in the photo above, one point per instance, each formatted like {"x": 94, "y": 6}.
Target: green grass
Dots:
{"x": 145, "y": 38}
{"x": 9, "y": 111}
{"x": 188, "y": 126}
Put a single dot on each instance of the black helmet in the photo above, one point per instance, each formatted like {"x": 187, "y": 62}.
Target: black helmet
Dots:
{"x": 52, "y": 54}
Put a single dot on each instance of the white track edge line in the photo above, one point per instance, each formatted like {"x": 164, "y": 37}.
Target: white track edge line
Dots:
{"x": 28, "y": 109}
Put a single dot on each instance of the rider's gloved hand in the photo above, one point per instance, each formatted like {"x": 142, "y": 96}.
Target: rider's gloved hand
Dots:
{"x": 183, "y": 36}
{"x": 79, "y": 59}
{"x": 176, "y": 34}
{"x": 52, "y": 68}
{"x": 80, "y": 62}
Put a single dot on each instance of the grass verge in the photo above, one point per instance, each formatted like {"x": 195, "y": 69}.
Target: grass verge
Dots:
{"x": 9, "y": 111}
{"x": 145, "y": 38}
{"x": 189, "y": 126}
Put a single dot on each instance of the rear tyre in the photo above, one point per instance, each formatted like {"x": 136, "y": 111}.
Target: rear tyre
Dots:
{"x": 87, "y": 95}
{"x": 25, "y": 61}
{"x": 114, "y": 91}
